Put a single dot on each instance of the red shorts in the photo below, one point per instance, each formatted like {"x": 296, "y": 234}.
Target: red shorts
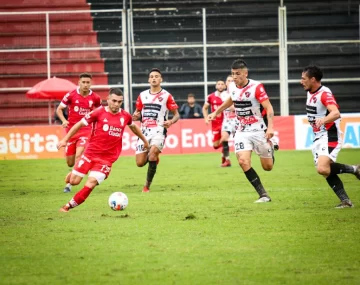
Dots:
{"x": 85, "y": 164}
{"x": 79, "y": 140}
{"x": 216, "y": 132}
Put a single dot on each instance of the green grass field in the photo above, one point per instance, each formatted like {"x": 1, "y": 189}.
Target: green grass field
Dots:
{"x": 198, "y": 225}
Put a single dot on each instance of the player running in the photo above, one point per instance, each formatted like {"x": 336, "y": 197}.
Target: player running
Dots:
{"x": 248, "y": 95}
{"x": 214, "y": 101}
{"x": 152, "y": 106}
{"x": 324, "y": 117}
{"x": 229, "y": 124}
{"x": 79, "y": 102}
{"x": 104, "y": 147}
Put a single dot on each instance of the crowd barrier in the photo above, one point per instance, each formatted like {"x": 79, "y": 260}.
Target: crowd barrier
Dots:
{"x": 185, "y": 137}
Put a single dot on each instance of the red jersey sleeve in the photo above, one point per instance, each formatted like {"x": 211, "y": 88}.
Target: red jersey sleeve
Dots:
{"x": 171, "y": 104}
{"x": 328, "y": 99}
{"x": 139, "y": 104}
{"x": 129, "y": 119}
{"x": 97, "y": 101}
{"x": 260, "y": 93}
{"x": 66, "y": 100}
{"x": 91, "y": 117}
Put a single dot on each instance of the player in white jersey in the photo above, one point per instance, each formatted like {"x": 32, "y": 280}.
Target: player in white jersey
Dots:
{"x": 152, "y": 106}
{"x": 228, "y": 125}
{"x": 324, "y": 117}
{"x": 253, "y": 134}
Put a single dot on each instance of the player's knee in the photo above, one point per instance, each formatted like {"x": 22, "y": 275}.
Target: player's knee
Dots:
{"x": 267, "y": 167}
{"x": 244, "y": 163}
{"x": 323, "y": 170}
{"x": 140, "y": 163}
{"x": 75, "y": 180}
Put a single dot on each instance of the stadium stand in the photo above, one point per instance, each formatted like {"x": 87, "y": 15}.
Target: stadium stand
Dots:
{"x": 227, "y": 22}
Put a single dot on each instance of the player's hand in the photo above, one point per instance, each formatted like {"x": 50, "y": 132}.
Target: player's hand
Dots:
{"x": 65, "y": 124}
{"x": 319, "y": 122}
{"x": 211, "y": 116}
{"x": 146, "y": 145}
{"x": 136, "y": 116}
{"x": 61, "y": 144}
{"x": 168, "y": 123}
{"x": 269, "y": 133}
{"x": 206, "y": 121}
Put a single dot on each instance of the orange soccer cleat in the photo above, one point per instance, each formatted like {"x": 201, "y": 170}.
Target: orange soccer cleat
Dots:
{"x": 227, "y": 163}
{"x": 146, "y": 189}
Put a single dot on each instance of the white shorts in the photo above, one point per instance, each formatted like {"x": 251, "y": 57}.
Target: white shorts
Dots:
{"x": 321, "y": 147}
{"x": 154, "y": 137}
{"x": 255, "y": 141}
{"x": 229, "y": 125}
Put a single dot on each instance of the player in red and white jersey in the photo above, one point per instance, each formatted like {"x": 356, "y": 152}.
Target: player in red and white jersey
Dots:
{"x": 324, "y": 117}
{"x": 229, "y": 124}
{"x": 214, "y": 101}
{"x": 104, "y": 146}
{"x": 79, "y": 102}
{"x": 153, "y": 106}
{"x": 248, "y": 95}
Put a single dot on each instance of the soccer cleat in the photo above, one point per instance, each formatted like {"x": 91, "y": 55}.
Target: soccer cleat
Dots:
{"x": 64, "y": 209}
{"x": 263, "y": 199}
{"x": 223, "y": 159}
{"x": 345, "y": 204}
{"x": 146, "y": 189}
{"x": 67, "y": 189}
{"x": 357, "y": 171}
{"x": 227, "y": 163}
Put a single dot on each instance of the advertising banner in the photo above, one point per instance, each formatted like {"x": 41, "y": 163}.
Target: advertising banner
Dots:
{"x": 186, "y": 136}
{"x": 350, "y": 127}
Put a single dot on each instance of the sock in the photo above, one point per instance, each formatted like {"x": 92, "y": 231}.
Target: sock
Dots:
{"x": 68, "y": 185}
{"x": 80, "y": 197}
{"x": 151, "y": 172}
{"x": 338, "y": 187}
{"x": 225, "y": 150}
{"x": 338, "y": 168}
{"x": 254, "y": 179}
{"x": 217, "y": 147}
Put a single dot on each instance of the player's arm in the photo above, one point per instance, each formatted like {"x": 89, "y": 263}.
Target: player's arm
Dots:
{"x": 136, "y": 130}
{"x": 136, "y": 115}
{"x": 270, "y": 116}
{"x": 175, "y": 118}
{"x": 60, "y": 114}
{"x": 205, "y": 109}
{"x": 70, "y": 133}
{"x": 333, "y": 115}
{"x": 221, "y": 108}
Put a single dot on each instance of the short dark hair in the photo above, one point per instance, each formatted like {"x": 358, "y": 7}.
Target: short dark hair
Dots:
{"x": 313, "y": 71}
{"x": 239, "y": 64}
{"x": 156, "y": 70}
{"x": 85, "y": 74}
{"x": 191, "y": 95}
{"x": 116, "y": 91}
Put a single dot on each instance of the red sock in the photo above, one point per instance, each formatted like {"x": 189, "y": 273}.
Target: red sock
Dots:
{"x": 217, "y": 147}
{"x": 80, "y": 196}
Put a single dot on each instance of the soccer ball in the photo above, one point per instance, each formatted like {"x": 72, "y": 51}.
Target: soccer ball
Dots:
{"x": 118, "y": 201}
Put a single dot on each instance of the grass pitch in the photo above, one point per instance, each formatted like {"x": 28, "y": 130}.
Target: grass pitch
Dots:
{"x": 198, "y": 225}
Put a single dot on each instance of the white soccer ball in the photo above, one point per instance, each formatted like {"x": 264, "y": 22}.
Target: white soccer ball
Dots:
{"x": 118, "y": 201}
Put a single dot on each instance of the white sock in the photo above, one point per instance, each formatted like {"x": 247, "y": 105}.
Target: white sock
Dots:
{"x": 68, "y": 185}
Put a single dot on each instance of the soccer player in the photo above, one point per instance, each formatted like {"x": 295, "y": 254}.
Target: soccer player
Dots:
{"x": 228, "y": 125}
{"x": 324, "y": 117}
{"x": 153, "y": 105}
{"x": 104, "y": 146}
{"x": 214, "y": 101}
{"x": 248, "y": 96}
{"x": 79, "y": 102}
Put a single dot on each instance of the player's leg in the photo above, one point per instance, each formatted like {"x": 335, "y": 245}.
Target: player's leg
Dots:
{"x": 99, "y": 172}
{"x": 216, "y": 137}
{"x": 141, "y": 155}
{"x": 225, "y": 150}
{"x": 243, "y": 150}
{"x": 70, "y": 153}
{"x": 324, "y": 156}
{"x": 153, "y": 158}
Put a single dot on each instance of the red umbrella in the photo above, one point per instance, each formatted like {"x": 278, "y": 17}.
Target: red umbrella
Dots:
{"x": 52, "y": 88}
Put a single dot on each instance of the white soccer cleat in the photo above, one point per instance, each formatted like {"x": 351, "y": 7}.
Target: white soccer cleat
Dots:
{"x": 264, "y": 199}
